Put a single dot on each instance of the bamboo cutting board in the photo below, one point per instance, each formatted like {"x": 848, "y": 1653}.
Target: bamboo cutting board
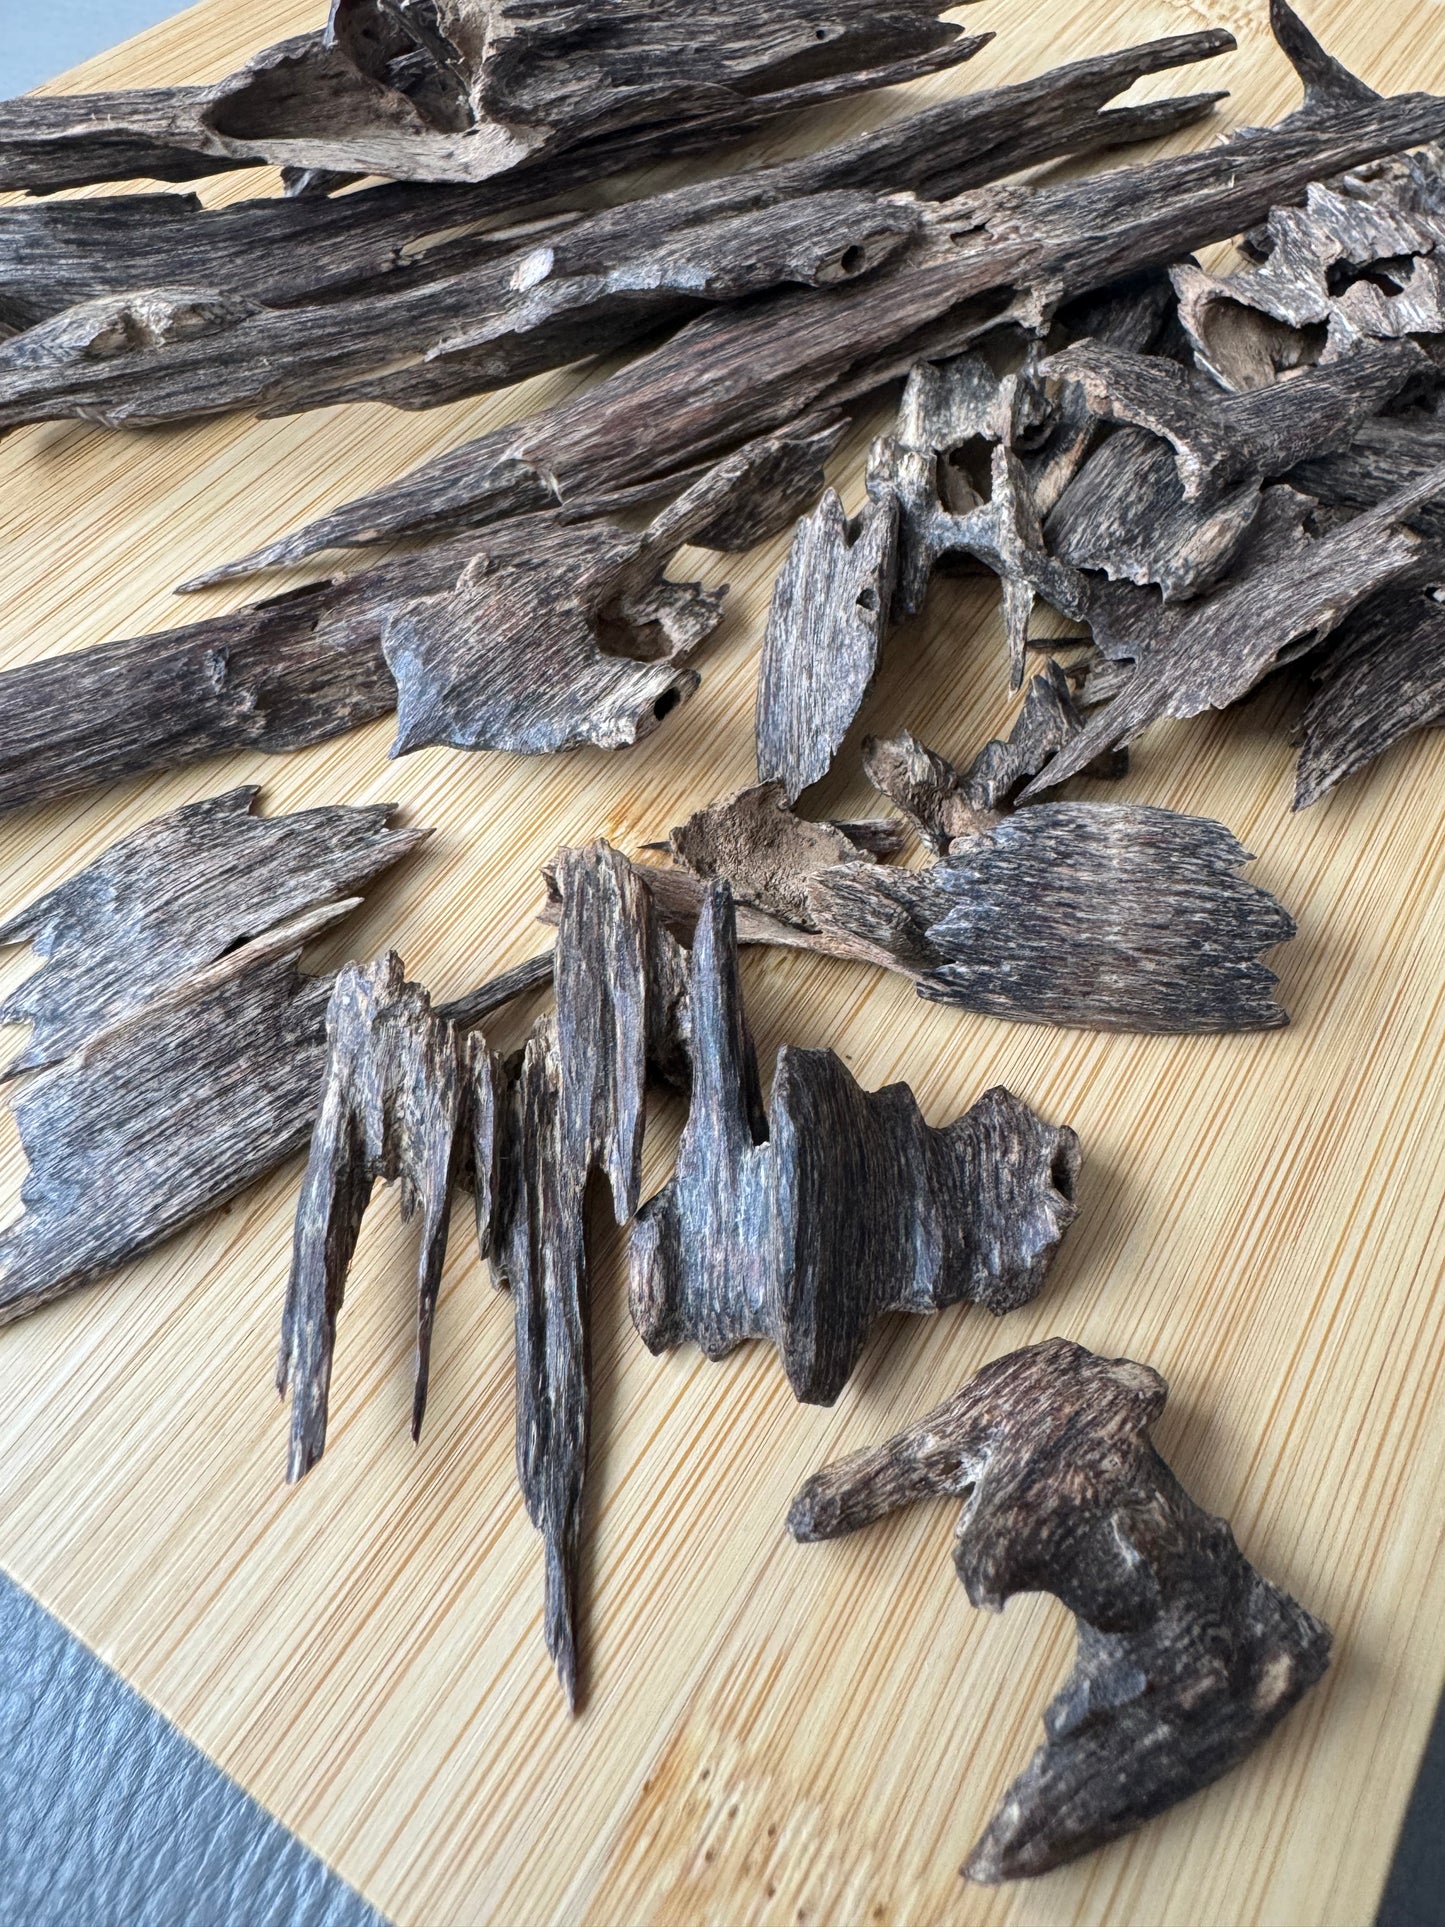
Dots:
{"x": 774, "y": 1733}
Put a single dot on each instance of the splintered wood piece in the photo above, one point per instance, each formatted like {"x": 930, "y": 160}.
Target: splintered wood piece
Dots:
{"x": 307, "y": 665}
{"x": 1185, "y": 1657}
{"x": 580, "y": 638}
{"x": 843, "y": 1205}
{"x": 496, "y": 87}
{"x": 174, "y": 1108}
{"x": 824, "y": 636}
{"x": 577, "y": 1112}
{"x": 175, "y": 896}
{"x": 571, "y": 288}
{"x": 394, "y": 1104}
{"x": 1006, "y": 251}
{"x": 1170, "y": 499}
{"x": 764, "y": 851}
{"x": 1104, "y": 916}
{"x": 280, "y": 252}
{"x": 1213, "y": 651}
{"x": 1382, "y": 678}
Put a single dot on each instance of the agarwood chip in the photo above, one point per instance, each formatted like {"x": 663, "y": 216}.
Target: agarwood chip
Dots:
{"x": 846, "y": 1205}
{"x": 396, "y": 1103}
{"x": 175, "y": 896}
{"x": 1009, "y": 250}
{"x": 765, "y": 851}
{"x": 577, "y": 1110}
{"x": 1105, "y": 916}
{"x": 824, "y": 636}
{"x": 1381, "y": 679}
{"x": 1186, "y": 1657}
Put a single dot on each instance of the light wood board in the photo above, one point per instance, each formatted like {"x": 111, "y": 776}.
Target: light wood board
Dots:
{"x": 773, "y": 1734}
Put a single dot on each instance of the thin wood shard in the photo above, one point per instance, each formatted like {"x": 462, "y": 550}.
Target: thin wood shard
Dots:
{"x": 1103, "y": 916}
{"x": 1171, "y": 498}
{"x": 1186, "y": 1657}
{"x": 394, "y": 1104}
{"x": 1381, "y": 679}
{"x": 176, "y": 896}
{"x": 824, "y": 635}
{"x": 845, "y": 1204}
{"x": 576, "y": 1113}
{"x": 981, "y": 259}
{"x": 184, "y": 1048}
{"x": 473, "y": 89}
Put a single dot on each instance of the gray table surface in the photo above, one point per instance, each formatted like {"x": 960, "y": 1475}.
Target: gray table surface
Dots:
{"x": 59, "y": 1814}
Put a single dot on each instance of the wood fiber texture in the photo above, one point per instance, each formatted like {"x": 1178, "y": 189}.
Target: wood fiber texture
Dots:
{"x": 363, "y": 1650}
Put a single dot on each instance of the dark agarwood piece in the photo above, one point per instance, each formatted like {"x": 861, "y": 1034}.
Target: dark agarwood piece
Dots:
{"x": 175, "y": 896}
{"x": 1381, "y": 679}
{"x": 824, "y": 636}
{"x": 842, "y": 1205}
{"x": 1104, "y": 916}
{"x": 395, "y": 1103}
{"x": 323, "y": 248}
{"x": 1186, "y": 1657}
{"x": 184, "y": 1048}
{"x": 980, "y": 261}
{"x": 308, "y": 665}
{"x": 576, "y": 1112}
{"x": 485, "y": 87}
{"x": 174, "y": 1108}
{"x": 1208, "y": 653}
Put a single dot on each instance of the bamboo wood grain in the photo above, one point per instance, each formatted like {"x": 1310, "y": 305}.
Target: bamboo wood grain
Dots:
{"x": 775, "y": 1733}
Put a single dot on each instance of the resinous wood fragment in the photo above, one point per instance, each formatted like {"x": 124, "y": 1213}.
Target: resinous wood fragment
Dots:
{"x": 174, "y": 897}
{"x": 842, "y": 1205}
{"x": 1185, "y": 1658}
{"x": 575, "y": 1114}
{"x": 1209, "y": 652}
{"x": 172, "y": 1109}
{"x": 473, "y": 89}
{"x": 1009, "y": 251}
{"x": 394, "y": 1104}
{"x": 1101, "y": 916}
{"x": 1170, "y": 498}
{"x": 1381, "y": 679}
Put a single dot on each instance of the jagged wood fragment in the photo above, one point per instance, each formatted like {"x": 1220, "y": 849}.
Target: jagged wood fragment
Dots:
{"x": 1007, "y": 250}
{"x": 174, "y": 897}
{"x": 577, "y": 1112}
{"x": 1185, "y": 1658}
{"x": 174, "y": 1108}
{"x": 842, "y": 1205}
{"x": 530, "y": 85}
{"x": 1105, "y": 916}
{"x": 578, "y": 638}
{"x": 765, "y": 852}
{"x": 824, "y": 634}
{"x": 394, "y": 1104}
{"x": 1382, "y": 678}
{"x": 280, "y": 252}
{"x": 1214, "y": 650}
